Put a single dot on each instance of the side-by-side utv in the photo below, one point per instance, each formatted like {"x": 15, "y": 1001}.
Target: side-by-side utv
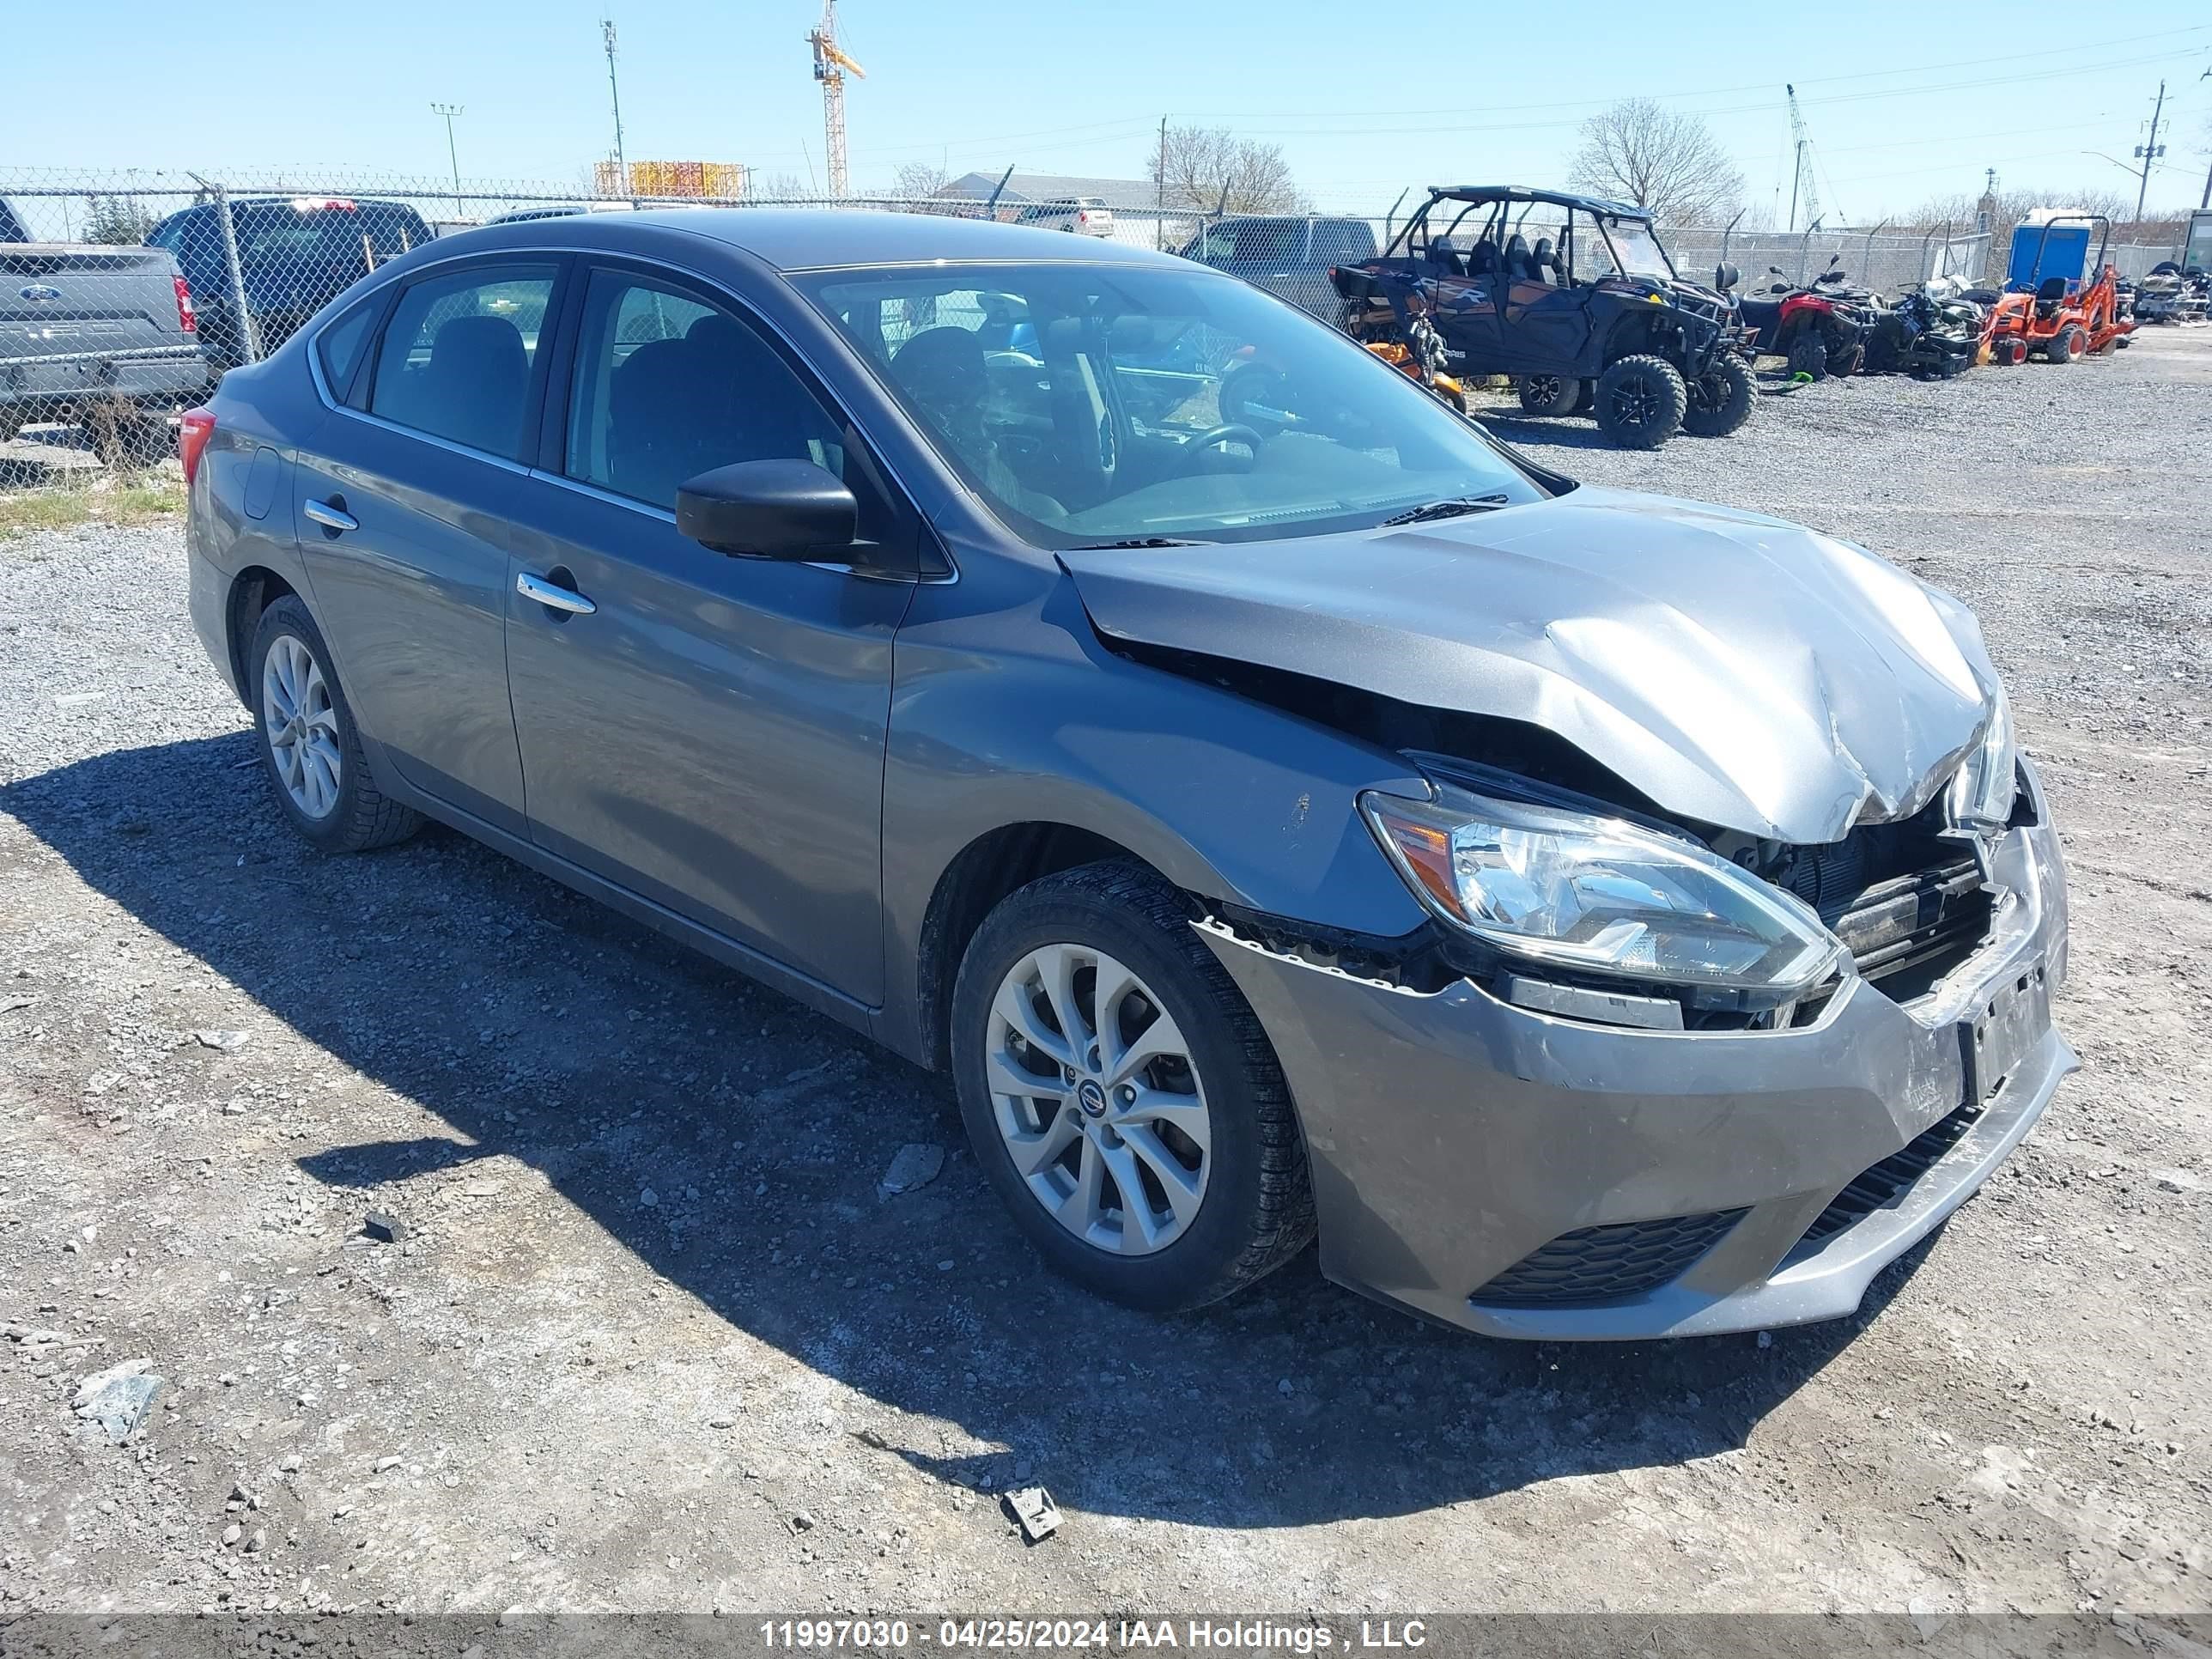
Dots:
{"x": 1573, "y": 297}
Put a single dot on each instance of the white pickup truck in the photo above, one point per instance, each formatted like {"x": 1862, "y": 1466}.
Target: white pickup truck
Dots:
{"x": 100, "y": 337}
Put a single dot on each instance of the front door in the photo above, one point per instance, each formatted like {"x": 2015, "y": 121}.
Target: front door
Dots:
{"x": 709, "y": 733}
{"x": 400, "y": 506}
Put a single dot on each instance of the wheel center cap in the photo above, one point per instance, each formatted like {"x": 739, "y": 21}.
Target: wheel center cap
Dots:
{"x": 1092, "y": 1096}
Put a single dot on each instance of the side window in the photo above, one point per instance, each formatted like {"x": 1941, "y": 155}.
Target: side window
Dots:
{"x": 455, "y": 358}
{"x": 668, "y": 386}
{"x": 341, "y": 347}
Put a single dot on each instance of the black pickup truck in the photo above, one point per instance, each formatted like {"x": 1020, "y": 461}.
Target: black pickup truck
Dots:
{"x": 294, "y": 252}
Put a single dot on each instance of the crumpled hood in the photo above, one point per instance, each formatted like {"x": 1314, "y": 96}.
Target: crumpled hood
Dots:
{"x": 1735, "y": 669}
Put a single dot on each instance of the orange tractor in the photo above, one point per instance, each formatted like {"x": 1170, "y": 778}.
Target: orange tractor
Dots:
{"x": 2057, "y": 316}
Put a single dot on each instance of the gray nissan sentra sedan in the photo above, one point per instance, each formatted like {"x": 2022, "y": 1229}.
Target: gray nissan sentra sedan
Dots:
{"x": 1281, "y": 808}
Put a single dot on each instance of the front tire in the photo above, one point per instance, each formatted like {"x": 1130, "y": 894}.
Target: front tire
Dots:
{"x": 1641, "y": 401}
{"x": 1549, "y": 394}
{"x": 1808, "y": 356}
{"x": 1720, "y": 401}
{"x": 310, "y": 746}
{"x": 1121, "y": 1096}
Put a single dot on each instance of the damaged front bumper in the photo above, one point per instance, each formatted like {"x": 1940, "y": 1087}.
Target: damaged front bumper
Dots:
{"x": 1521, "y": 1175}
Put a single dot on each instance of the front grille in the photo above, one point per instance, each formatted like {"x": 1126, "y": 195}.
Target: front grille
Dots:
{"x": 1881, "y": 1186}
{"x": 1597, "y": 1264}
{"x": 1908, "y": 902}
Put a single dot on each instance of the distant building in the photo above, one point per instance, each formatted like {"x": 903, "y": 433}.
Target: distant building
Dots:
{"x": 1121, "y": 194}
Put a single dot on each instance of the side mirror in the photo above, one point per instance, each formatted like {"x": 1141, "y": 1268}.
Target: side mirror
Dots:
{"x": 1725, "y": 276}
{"x": 1776, "y": 270}
{"x": 769, "y": 510}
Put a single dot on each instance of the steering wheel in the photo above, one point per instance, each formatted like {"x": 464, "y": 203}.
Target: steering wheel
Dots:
{"x": 1215, "y": 437}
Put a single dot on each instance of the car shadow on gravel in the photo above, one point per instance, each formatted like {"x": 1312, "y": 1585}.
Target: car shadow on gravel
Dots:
{"x": 542, "y": 1028}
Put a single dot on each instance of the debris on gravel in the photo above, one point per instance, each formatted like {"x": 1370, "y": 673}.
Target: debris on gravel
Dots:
{"x": 1036, "y": 1513}
{"x": 117, "y": 1398}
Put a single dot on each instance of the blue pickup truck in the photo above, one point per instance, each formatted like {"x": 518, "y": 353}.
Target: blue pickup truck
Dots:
{"x": 97, "y": 336}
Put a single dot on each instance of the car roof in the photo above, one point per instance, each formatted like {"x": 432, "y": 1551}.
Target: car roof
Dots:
{"x": 814, "y": 239}
{"x": 1481, "y": 193}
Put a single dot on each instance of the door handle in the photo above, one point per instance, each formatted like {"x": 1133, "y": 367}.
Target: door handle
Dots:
{"x": 331, "y": 514}
{"x": 552, "y": 594}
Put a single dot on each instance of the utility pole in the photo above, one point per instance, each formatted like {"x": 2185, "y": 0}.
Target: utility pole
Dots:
{"x": 614, "y": 91}
{"x": 2205, "y": 200}
{"x": 449, "y": 110}
{"x": 2150, "y": 151}
{"x": 1160, "y": 193}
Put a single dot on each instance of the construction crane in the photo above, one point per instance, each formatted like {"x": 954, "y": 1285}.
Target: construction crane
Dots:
{"x": 1800, "y": 181}
{"x": 831, "y": 64}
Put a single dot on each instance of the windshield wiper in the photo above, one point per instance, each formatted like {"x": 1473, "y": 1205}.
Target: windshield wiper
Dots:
{"x": 1450, "y": 509}
{"x": 1141, "y": 541}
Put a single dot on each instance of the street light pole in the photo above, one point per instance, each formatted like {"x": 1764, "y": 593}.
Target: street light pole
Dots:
{"x": 449, "y": 110}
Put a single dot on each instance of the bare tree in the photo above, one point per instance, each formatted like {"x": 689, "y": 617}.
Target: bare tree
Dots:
{"x": 1212, "y": 169}
{"x": 1642, "y": 152}
{"x": 778, "y": 187}
{"x": 916, "y": 180}
{"x": 2008, "y": 208}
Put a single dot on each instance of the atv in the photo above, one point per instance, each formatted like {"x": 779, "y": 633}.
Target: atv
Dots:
{"x": 1571, "y": 297}
{"x": 1925, "y": 334}
{"x": 1822, "y": 329}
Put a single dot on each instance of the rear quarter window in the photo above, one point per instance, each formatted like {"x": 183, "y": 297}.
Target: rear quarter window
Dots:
{"x": 341, "y": 346}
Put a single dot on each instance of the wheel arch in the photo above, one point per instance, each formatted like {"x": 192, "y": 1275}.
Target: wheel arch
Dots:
{"x": 995, "y": 864}
{"x": 252, "y": 590}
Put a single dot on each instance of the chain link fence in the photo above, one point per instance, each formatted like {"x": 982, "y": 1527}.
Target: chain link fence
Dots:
{"x": 125, "y": 296}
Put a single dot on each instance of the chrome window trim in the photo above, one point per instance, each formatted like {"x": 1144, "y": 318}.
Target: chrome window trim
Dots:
{"x": 747, "y": 313}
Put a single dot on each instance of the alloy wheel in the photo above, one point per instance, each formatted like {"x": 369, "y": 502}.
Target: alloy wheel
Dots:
{"x": 1097, "y": 1100}
{"x": 301, "y": 725}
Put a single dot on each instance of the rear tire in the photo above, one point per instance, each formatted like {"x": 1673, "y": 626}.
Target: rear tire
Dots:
{"x": 1720, "y": 400}
{"x": 1641, "y": 401}
{"x": 310, "y": 746}
{"x": 1808, "y": 356}
{"x": 1549, "y": 394}
{"x": 2065, "y": 345}
{"x": 1253, "y": 1208}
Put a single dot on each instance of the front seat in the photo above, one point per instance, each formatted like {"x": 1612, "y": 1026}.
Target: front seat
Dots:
{"x": 2049, "y": 293}
{"x": 1517, "y": 267}
{"x": 1546, "y": 262}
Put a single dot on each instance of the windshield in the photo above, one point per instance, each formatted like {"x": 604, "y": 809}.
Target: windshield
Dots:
{"x": 1101, "y": 403}
{"x": 1635, "y": 249}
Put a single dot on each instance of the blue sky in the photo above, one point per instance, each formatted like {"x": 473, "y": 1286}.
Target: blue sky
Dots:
{"x": 1079, "y": 88}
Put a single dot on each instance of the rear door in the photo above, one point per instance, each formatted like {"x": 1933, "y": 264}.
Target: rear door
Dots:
{"x": 402, "y": 502}
{"x": 1544, "y": 325}
{"x": 710, "y": 733}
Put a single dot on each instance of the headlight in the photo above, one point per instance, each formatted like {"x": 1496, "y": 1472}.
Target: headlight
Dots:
{"x": 1600, "y": 896}
{"x": 1983, "y": 787}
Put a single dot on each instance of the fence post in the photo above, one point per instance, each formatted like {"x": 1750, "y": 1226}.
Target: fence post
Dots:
{"x": 249, "y": 332}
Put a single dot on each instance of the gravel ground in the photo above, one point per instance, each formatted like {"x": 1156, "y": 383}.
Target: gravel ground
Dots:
{"x": 655, "y": 1338}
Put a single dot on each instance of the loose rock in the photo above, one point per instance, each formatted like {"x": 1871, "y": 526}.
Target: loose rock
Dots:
{"x": 916, "y": 1165}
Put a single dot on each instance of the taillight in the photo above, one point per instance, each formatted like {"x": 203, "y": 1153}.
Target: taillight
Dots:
{"x": 193, "y": 432}
{"x": 188, "y": 319}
